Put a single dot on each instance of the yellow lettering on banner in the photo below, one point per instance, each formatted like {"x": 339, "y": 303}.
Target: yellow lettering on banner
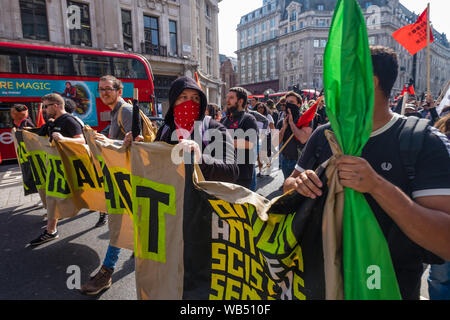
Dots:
{"x": 215, "y": 285}
{"x": 232, "y": 253}
{"x": 47, "y": 86}
{"x": 20, "y": 85}
{"x": 256, "y": 276}
{"x": 298, "y": 283}
{"x": 230, "y": 293}
{"x": 240, "y": 212}
{"x": 219, "y": 204}
{"x": 216, "y": 248}
{"x": 247, "y": 268}
{"x": 249, "y": 293}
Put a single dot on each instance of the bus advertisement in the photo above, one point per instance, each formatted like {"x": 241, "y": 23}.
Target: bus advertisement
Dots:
{"x": 28, "y": 72}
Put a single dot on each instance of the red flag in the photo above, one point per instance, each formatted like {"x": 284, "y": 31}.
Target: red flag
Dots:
{"x": 197, "y": 80}
{"x": 411, "y": 90}
{"x": 308, "y": 115}
{"x": 40, "y": 118}
{"x": 413, "y": 37}
{"x": 403, "y": 91}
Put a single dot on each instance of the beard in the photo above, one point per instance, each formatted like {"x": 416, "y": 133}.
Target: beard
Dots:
{"x": 232, "y": 109}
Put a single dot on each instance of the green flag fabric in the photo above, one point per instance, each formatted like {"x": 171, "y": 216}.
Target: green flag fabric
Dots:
{"x": 349, "y": 93}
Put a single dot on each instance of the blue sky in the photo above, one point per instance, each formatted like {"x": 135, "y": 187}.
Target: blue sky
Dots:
{"x": 232, "y": 10}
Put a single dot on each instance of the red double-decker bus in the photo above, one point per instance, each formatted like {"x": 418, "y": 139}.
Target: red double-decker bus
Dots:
{"x": 28, "y": 72}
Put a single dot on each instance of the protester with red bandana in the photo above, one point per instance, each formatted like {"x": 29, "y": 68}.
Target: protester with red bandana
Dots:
{"x": 187, "y": 104}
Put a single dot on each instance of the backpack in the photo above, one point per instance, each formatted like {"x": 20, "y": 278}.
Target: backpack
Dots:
{"x": 148, "y": 128}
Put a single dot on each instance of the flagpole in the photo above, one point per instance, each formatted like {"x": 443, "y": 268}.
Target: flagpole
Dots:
{"x": 428, "y": 50}
{"x": 405, "y": 98}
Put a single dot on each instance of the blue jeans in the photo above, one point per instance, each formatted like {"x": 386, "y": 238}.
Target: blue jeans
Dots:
{"x": 287, "y": 166}
{"x": 112, "y": 255}
{"x": 439, "y": 281}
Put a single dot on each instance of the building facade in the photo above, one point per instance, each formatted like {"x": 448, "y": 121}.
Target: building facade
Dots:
{"x": 178, "y": 37}
{"x": 229, "y": 76}
{"x": 301, "y": 38}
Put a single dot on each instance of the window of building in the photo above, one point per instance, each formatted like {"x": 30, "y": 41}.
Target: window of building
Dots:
{"x": 293, "y": 16}
{"x": 207, "y": 9}
{"x": 293, "y": 28}
{"x": 173, "y": 37}
{"x": 208, "y": 36}
{"x": 321, "y": 22}
{"x": 320, "y": 7}
{"x": 323, "y": 43}
{"x": 151, "y": 30}
{"x": 208, "y": 65}
{"x": 127, "y": 30}
{"x": 318, "y": 60}
{"x": 372, "y": 40}
{"x": 34, "y": 19}
{"x": 82, "y": 35}
{"x": 316, "y": 43}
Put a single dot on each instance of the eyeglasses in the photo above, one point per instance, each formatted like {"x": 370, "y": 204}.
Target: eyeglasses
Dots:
{"x": 47, "y": 105}
{"x": 106, "y": 89}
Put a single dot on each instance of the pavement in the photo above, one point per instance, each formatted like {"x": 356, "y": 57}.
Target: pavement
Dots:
{"x": 48, "y": 272}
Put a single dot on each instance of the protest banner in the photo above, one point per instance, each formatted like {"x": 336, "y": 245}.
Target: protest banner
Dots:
{"x": 48, "y": 170}
{"x": 29, "y": 186}
{"x": 112, "y": 163}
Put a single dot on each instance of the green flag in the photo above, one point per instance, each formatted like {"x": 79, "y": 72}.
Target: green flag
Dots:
{"x": 349, "y": 93}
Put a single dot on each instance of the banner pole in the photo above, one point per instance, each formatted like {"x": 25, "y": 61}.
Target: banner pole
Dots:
{"x": 428, "y": 50}
{"x": 405, "y": 98}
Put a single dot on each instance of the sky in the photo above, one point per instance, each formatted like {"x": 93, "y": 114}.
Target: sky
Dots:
{"x": 231, "y": 11}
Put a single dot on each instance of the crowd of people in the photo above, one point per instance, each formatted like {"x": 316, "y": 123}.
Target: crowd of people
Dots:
{"x": 414, "y": 214}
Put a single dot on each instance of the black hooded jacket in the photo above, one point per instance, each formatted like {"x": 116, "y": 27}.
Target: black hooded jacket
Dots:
{"x": 224, "y": 169}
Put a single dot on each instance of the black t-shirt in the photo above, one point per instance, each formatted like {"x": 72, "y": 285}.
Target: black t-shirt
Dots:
{"x": 294, "y": 147}
{"x": 66, "y": 124}
{"x": 382, "y": 153}
{"x": 247, "y": 123}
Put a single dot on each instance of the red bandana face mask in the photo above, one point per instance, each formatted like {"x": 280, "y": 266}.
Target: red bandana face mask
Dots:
{"x": 185, "y": 114}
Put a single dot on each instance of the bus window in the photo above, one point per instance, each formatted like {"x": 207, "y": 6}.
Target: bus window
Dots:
{"x": 127, "y": 68}
{"x": 91, "y": 66}
{"x": 10, "y": 62}
{"x": 5, "y": 117}
{"x": 37, "y": 64}
{"x": 60, "y": 65}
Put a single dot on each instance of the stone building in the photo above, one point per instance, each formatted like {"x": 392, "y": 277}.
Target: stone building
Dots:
{"x": 229, "y": 76}
{"x": 178, "y": 37}
{"x": 301, "y": 38}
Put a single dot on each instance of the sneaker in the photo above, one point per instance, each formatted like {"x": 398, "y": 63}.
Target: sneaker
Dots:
{"x": 45, "y": 237}
{"x": 102, "y": 220}
{"x": 101, "y": 281}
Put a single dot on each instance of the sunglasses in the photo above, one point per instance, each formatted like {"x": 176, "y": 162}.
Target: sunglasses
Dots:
{"x": 48, "y": 105}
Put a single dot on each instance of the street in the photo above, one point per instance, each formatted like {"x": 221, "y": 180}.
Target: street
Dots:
{"x": 44, "y": 272}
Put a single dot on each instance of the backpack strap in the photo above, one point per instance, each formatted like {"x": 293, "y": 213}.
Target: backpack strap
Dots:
{"x": 410, "y": 143}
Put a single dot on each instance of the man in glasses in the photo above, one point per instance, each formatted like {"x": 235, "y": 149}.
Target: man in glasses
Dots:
{"x": 110, "y": 90}
{"x": 60, "y": 126}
